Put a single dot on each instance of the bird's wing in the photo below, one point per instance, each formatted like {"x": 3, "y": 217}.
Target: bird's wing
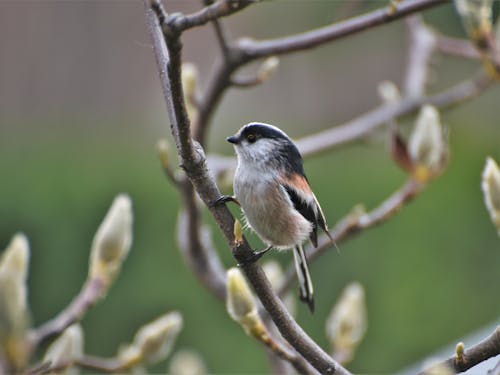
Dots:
{"x": 305, "y": 202}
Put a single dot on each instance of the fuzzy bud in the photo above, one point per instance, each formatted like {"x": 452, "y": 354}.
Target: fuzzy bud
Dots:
{"x": 67, "y": 348}
{"x": 241, "y": 305}
{"x": 14, "y": 314}
{"x": 190, "y": 79}
{"x": 156, "y": 339}
{"x": 389, "y": 92}
{"x": 112, "y": 241}
{"x": 346, "y": 324}
{"x": 427, "y": 145}
{"x": 268, "y": 68}
{"x": 187, "y": 362}
{"x": 476, "y": 17}
{"x": 491, "y": 189}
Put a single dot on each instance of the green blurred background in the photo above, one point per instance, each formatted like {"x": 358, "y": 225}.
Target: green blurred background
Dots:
{"x": 80, "y": 113}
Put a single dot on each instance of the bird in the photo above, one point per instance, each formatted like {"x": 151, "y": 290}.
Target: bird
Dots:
{"x": 278, "y": 204}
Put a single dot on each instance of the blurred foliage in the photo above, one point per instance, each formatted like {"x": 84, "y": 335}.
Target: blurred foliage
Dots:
{"x": 429, "y": 273}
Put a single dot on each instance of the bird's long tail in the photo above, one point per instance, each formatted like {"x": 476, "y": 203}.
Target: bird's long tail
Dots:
{"x": 305, "y": 283}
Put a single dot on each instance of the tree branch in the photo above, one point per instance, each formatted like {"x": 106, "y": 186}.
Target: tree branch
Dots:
{"x": 254, "y": 49}
{"x": 91, "y": 292}
{"x": 488, "y": 348}
{"x": 167, "y": 49}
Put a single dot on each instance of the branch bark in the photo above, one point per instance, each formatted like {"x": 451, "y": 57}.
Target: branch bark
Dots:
{"x": 488, "y": 348}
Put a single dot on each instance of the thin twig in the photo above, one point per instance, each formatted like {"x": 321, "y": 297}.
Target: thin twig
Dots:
{"x": 91, "y": 292}
{"x": 254, "y": 49}
{"x": 457, "y": 47}
{"x": 488, "y": 348}
{"x": 422, "y": 42}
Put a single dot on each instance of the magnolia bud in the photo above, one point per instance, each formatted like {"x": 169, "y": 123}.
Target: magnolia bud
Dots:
{"x": 241, "y": 305}
{"x": 14, "y": 315}
{"x": 346, "y": 324}
{"x": 268, "y": 68}
{"x": 189, "y": 77}
{"x": 491, "y": 189}
{"x": 67, "y": 348}
{"x": 427, "y": 145}
{"x": 476, "y": 17}
{"x": 155, "y": 340}
{"x": 112, "y": 241}
{"x": 389, "y": 92}
{"x": 187, "y": 362}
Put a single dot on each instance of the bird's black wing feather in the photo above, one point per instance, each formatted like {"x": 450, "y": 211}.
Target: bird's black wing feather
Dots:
{"x": 305, "y": 210}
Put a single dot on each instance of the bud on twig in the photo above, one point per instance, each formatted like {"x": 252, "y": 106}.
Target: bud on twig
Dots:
{"x": 13, "y": 300}
{"x": 388, "y": 92}
{"x": 238, "y": 232}
{"x": 346, "y": 325}
{"x": 190, "y": 78}
{"x": 240, "y": 303}
{"x": 427, "y": 145}
{"x": 156, "y": 339}
{"x": 491, "y": 189}
{"x": 268, "y": 68}
{"x": 187, "y": 362}
{"x": 476, "y": 17}
{"x": 112, "y": 241}
{"x": 66, "y": 349}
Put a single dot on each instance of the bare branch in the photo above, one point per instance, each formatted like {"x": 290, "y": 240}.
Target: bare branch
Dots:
{"x": 91, "y": 292}
{"x": 488, "y": 348}
{"x": 457, "y": 47}
{"x": 422, "y": 42}
{"x": 365, "y": 124}
{"x": 175, "y": 23}
{"x": 256, "y": 49}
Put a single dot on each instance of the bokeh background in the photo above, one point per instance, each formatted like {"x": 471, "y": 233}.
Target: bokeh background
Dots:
{"x": 80, "y": 113}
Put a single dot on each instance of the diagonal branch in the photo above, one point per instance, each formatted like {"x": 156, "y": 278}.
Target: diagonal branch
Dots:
{"x": 167, "y": 52}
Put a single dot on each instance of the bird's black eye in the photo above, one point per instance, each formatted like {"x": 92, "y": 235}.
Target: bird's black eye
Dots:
{"x": 251, "y": 138}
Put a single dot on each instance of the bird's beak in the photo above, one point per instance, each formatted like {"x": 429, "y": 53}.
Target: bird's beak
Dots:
{"x": 232, "y": 139}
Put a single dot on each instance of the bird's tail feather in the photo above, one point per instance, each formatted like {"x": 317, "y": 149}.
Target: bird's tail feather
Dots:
{"x": 305, "y": 283}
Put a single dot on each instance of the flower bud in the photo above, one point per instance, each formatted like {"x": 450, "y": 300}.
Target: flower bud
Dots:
{"x": 268, "y": 68}
{"x": 112, "y": 241}
{"x": 241, "y": 305}
{"x": 190, "y": 78}
{"x": 476, "y": 17}
{"x": 162, "y": 148}
{"x": 187, "y": 362}
{"x": 346, "y": 324}
{"x": 491, "y": 189}
{"x": 427, "y": 145}
{"x": 389, "y": 92}
{"x": 14, "y": 315}
{"x": 67, "y": 348}
{"x": 155, "y": 340}
{"x": 238, "y": 232}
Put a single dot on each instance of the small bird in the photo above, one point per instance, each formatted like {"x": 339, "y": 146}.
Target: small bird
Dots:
{"x": 273, "y": 191}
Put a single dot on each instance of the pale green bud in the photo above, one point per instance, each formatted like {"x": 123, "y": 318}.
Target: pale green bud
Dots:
{"x": 155, "y": 340}
{"x": 187, "y": 362}
{"x": 190, "y": 78}
{"x": 241, "y": 305}
{"x": 346, "y": 325}
{"x": 491, "y": 190}
{"x": 112, "y": 241}
{"x": 476, "y": 17}
{"x": 389, "y": 92}
{"x": 14, "y": 315}
{"x": 427, "y": 144}
{"x": 67, "y": 348}
{"x": 268, "y": 68}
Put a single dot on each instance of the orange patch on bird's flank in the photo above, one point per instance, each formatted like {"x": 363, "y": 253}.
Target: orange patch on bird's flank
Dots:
{"x": 300, "y": 183}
